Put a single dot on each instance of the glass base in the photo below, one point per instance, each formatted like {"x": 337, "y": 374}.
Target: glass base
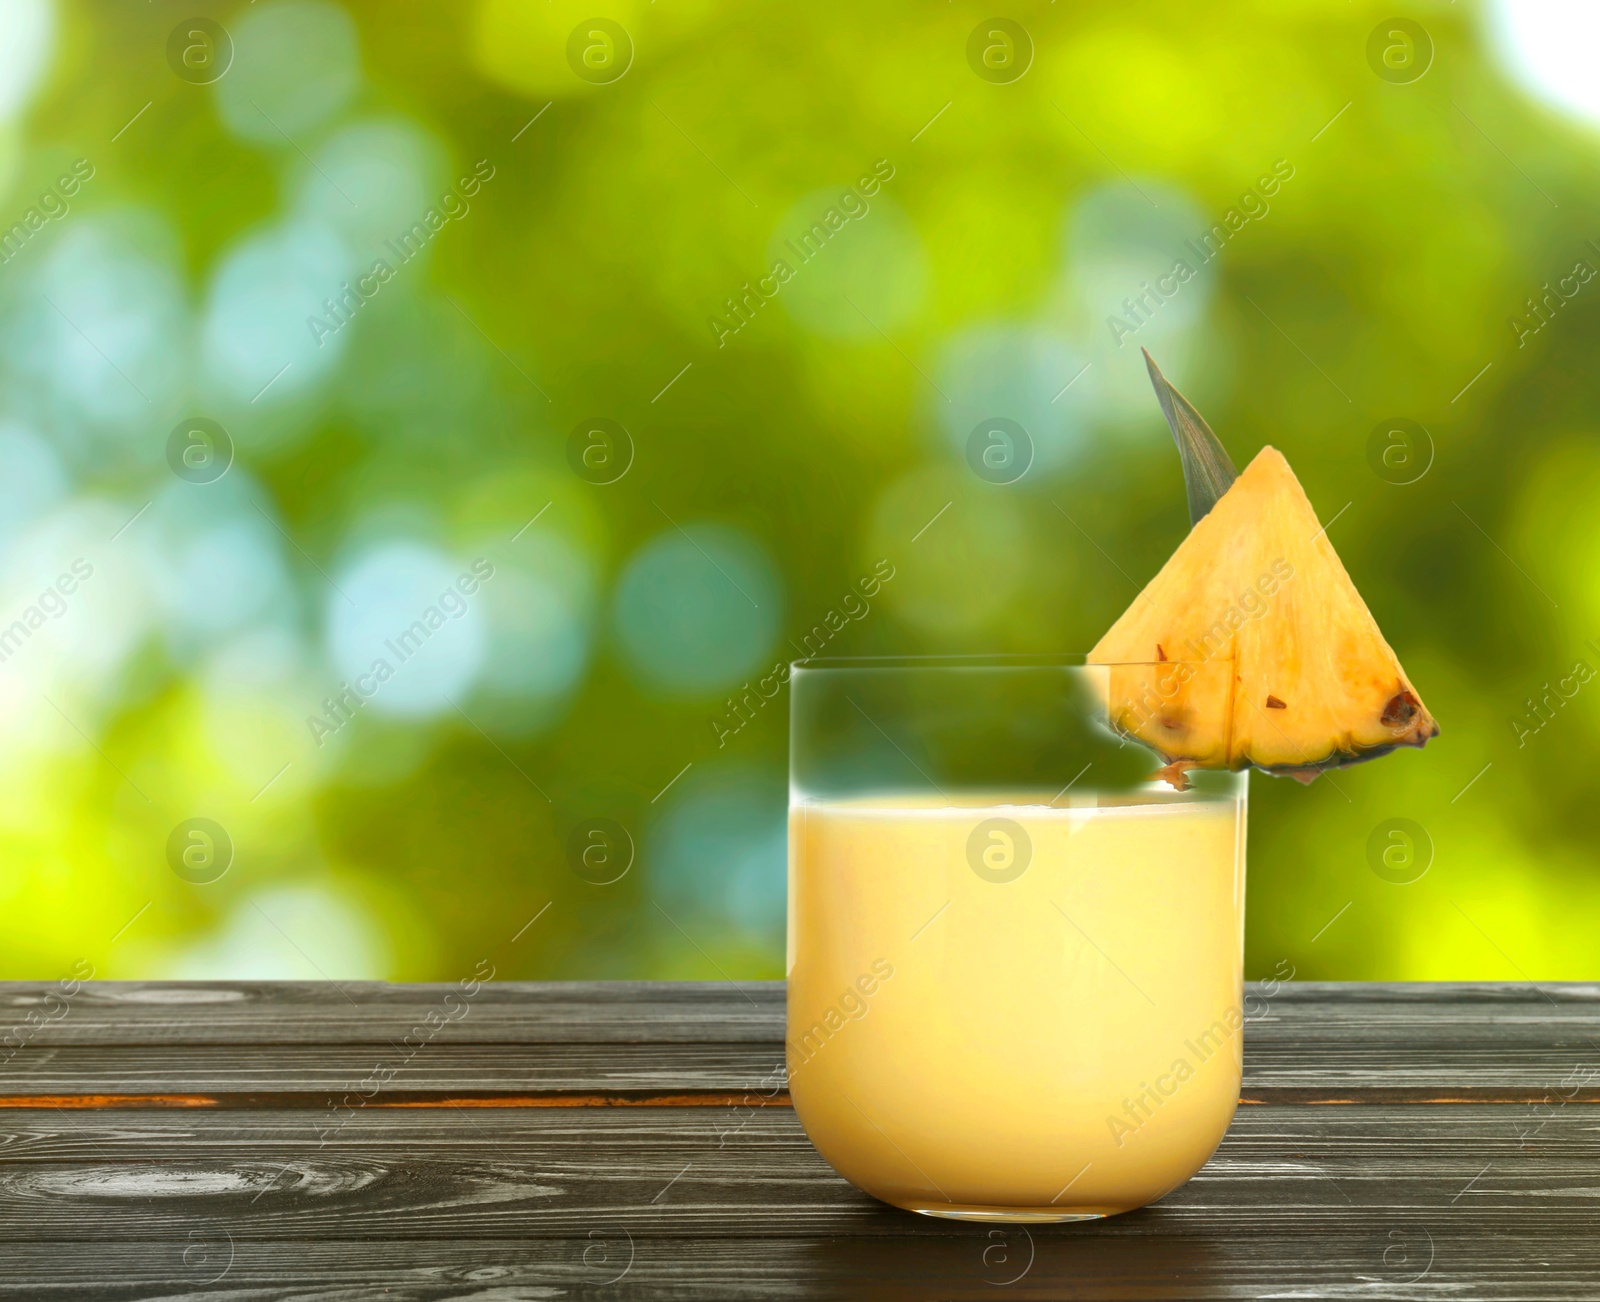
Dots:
{"x": 1014, "y": 1215}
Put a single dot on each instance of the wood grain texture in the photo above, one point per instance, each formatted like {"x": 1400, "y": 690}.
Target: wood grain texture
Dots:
{"x": 1306, "y": 1042}
{"x": 442, "y": 1066}
{"x": 1366, "y": 1201}
{"x": 251, "y": 1183}
{"x": 373, "y": 1012}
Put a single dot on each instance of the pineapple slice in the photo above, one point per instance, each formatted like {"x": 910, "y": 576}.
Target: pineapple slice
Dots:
{"x": 1273, "y": 658}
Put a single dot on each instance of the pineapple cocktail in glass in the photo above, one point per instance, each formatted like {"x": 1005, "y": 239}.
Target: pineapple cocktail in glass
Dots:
{"x": 1015, "y": 961}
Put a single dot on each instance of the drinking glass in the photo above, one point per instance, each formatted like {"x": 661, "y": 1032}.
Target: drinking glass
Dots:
{"x": 1015, "y": 956}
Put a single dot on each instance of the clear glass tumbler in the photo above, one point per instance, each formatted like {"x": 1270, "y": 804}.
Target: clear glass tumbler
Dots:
{"x": 1015, "y": 958}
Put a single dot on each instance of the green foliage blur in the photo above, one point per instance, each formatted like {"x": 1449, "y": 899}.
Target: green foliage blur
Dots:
{"x": 685, "y": 327}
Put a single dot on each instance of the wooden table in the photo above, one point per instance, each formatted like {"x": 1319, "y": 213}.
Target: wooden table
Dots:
{"x": 634, "y": 1140}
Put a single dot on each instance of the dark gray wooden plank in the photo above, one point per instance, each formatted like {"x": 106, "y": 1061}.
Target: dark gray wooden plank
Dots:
{"x": 1450, "y": 1040}
{"x": 969, "y": 1262}
{"x": 507, "y": 1012}
{"x": 688, "y": 1171}
{"x": 304, "y": 1075}
{"x": 1378, "y": 1202}
{"x": 966, "y": 1264}
{"x": 375, "y": 1012}
{"x": 1308, "y": 1041}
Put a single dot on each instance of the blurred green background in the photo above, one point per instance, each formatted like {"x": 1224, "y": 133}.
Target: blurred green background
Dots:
{"x": 563, "y": 209}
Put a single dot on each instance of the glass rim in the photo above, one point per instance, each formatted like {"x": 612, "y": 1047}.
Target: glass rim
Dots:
{"x": 826, "y": 664}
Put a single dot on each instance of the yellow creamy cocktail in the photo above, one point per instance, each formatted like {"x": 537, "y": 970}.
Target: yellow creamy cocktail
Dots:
{"x": 1062, "y": 1044}
{"x": 1019, "y": 1007}
{"x": 1016, "y": 887}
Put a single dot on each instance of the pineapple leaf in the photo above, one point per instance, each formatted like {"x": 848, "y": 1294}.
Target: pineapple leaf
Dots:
{"x": 1207, "y": 470}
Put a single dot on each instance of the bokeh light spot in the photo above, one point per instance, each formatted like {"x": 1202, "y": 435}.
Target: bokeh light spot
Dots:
{"x": 1139, "y": 274}
{"x": 539, "y": 612}
{"x": 292, "y": 932}
{"x": 721, "y": 850}
{"x": 1022, "y": 373}
{"x": 256, "y": 338}
{"x": 31, "y": 480}
{"x": 214, "y": 563}
{"x": 1548, "y": 48}
{"x": 406, "y": 629}
{"x": 371, "y": 180}
{"x": 295, "y": 64}
{"x": 857, "y": 262}
{"x": 969, "y": 559}
{"x": 524, "y": 46}
{"x": 696, "y": 610}
{"x": 101, "y": 332}
{"x": 29, "y": 27}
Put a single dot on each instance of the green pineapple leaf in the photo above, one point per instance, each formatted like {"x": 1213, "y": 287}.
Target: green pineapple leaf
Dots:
{"x": 1207, "y": 469}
